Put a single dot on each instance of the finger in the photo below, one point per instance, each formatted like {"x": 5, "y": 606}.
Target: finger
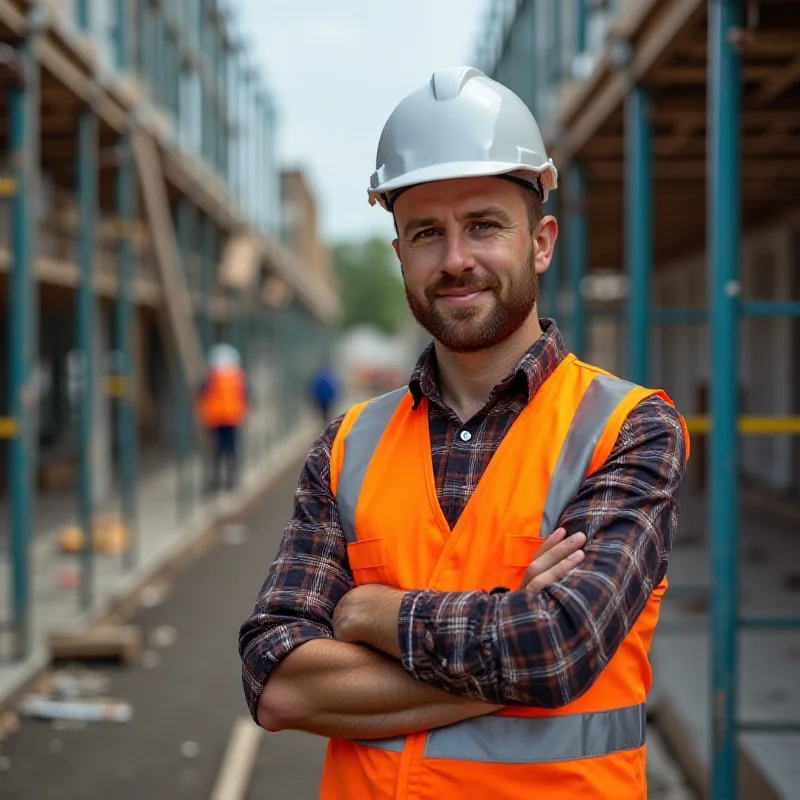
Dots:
{"x": 557, "y": 572}
{"x": 556, "y": 537}
{"x": 556, "y": 554}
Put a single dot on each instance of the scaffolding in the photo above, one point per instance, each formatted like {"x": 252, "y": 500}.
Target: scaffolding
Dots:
{"x": 139, "y": 147}
{"x": 647, "y": 100}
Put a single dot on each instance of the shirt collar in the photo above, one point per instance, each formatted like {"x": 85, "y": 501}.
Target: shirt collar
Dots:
{"x": 532, "y": 370}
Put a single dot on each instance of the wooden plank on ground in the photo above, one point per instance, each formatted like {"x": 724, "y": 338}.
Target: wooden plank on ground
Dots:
{"x": 119, "y": 642}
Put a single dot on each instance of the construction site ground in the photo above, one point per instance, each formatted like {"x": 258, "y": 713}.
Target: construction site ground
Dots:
{"x": 187, "y": 698}
{"x": 769, "y": 660}
{"x": 163, "y": 537}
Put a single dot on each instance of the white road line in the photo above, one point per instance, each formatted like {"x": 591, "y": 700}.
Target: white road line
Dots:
{"x": 233, "y": 778}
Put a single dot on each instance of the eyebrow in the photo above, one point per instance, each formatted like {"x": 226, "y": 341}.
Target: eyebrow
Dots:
{"x": 481, "y": 213}
{"x": 420, "y": 222}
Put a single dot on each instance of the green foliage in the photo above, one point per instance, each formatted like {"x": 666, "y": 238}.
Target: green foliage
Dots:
{"x": 370, "y": 284}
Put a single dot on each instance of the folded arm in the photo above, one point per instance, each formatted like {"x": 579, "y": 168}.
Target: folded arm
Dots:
{"x": 294, "y": 674}
{"x": 351, "y": 692}
{"x": 547, "y": 647}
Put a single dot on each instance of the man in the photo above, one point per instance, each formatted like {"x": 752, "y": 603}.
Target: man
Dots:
{"x": 324, "y": 389}
{"x": 465, "y": 597}
{"x": 223, "y": 400}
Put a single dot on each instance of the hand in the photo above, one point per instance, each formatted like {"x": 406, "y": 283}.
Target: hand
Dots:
{"x": 554, "y": 559}
{"x": 369, "y": 615}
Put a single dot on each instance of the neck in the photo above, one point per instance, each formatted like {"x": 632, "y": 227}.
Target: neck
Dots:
{"x": 466, "y": 379}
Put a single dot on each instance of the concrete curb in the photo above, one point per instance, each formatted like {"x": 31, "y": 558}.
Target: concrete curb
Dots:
{"x": 196, "y": 535}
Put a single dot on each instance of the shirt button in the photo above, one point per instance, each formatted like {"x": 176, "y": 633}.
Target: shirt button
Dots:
{"x": 465, "y": 436}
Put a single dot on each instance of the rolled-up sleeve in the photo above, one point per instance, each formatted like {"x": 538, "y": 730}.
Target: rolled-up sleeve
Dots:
{"x": 546, "y": 648}
{"x": 305, "y": 582}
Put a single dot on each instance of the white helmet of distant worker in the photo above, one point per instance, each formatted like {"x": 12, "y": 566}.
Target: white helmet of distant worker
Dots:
{"x": 223, "y": 356}
{"x": 461, "y": 124}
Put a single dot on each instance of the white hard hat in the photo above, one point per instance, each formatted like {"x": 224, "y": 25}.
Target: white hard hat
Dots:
{"x": 461, "y": 124}
{"x": 223, "y": 356}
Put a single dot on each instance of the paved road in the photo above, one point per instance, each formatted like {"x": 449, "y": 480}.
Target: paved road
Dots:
{"x": 193, "y": 695}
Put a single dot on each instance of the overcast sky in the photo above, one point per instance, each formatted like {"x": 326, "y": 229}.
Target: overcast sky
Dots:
{"x": 336, "y": 69}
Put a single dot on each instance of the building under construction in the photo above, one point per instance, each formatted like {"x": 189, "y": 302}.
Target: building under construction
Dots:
{"x": 142, "y": 219}
{"x": 674, "y": 125}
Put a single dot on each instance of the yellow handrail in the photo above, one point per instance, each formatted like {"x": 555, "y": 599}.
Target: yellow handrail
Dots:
{"x": 8, "y": 427}
{"x": 749, "y": 425}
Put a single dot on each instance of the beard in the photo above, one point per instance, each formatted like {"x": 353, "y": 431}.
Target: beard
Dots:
{"x": 470, "y": 329}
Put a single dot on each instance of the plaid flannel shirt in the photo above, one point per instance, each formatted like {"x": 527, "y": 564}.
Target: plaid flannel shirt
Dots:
{"x": 533, "y": 648}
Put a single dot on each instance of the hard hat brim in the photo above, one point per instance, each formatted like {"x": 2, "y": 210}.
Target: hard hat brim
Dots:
{"x": 463, "y": 169}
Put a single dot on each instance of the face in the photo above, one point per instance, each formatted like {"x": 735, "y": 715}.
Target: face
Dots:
{"x": 471, "y": 262}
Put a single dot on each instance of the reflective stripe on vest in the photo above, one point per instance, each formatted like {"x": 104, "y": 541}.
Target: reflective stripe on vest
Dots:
{"x": 600, "y": 400}
{"x": 359, "y": 445}
{"x": 532, "y": 740}
{"x": 598, "y": 403}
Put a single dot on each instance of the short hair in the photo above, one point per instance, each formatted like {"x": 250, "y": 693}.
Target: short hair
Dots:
{"x": 533, "y": 203}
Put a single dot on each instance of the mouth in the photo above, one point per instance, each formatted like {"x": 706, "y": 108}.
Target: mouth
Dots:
{"x": 460, "y": 297}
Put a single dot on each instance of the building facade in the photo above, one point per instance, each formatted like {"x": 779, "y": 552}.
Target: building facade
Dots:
{"x": 140, "y": 223}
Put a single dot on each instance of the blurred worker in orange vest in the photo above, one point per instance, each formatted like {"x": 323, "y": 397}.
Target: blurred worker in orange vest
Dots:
{"x": 223, "y": 404}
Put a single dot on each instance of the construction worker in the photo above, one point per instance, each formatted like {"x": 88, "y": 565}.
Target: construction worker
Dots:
{"x": 324, "y": 389}
{"x": 465, "y": 597}
{"x": 223, "y": 401}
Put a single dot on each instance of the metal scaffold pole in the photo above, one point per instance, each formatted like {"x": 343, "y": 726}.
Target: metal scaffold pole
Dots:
{"x": 269, "y": 389}
{"x": 126, "y": 417}
{"x": 638, "y": 233}
{"x": 207, "y": 285}
{"x": 578, "y": 256}
{"x": 183, "y": 391}
{"x": 22, "y": 339}
{"x": 87, "y": 218}
{"x": 581, "y": 25}
{"x": 724, "y": 173}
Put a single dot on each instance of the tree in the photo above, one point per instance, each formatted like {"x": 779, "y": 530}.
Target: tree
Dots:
{"x": 370, "y": 284}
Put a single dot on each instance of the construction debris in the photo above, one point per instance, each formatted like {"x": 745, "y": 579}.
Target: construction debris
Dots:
{"x": 163, "y": 636}
{"x": 190, "y": 749}
{"x": 154, "y": 594}
{"x": 9, "y": 723}
{"x": 109, "y": 536}
{"x": 72, "y": 697}
{"x": 119, "y": 642}
{"x": 99, "y": 710}
{"x": 72, "y": 683}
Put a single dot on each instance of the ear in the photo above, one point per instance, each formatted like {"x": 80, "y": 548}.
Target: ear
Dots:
{"x": 396, "y": 245}
{"x": 544, "y": 242}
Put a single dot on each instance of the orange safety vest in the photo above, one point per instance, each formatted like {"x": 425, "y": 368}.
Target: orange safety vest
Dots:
{"x": 224, "y": 400}
{"x": 397, "y": 535}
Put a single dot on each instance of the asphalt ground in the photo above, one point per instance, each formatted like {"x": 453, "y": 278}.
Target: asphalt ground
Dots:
{"x": 185, "y": 704}
{"x": 186, "y": 696}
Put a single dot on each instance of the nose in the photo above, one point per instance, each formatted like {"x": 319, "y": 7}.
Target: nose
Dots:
{"x": 456, "y": 257}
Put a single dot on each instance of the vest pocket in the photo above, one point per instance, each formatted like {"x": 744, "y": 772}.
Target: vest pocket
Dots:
{"x": 518, "y": 552}
{"x": 368, "y": 561}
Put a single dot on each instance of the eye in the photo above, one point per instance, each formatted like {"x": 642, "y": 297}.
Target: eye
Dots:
{"x": 484, "y": 225}
{"x": 425, "y": 234}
